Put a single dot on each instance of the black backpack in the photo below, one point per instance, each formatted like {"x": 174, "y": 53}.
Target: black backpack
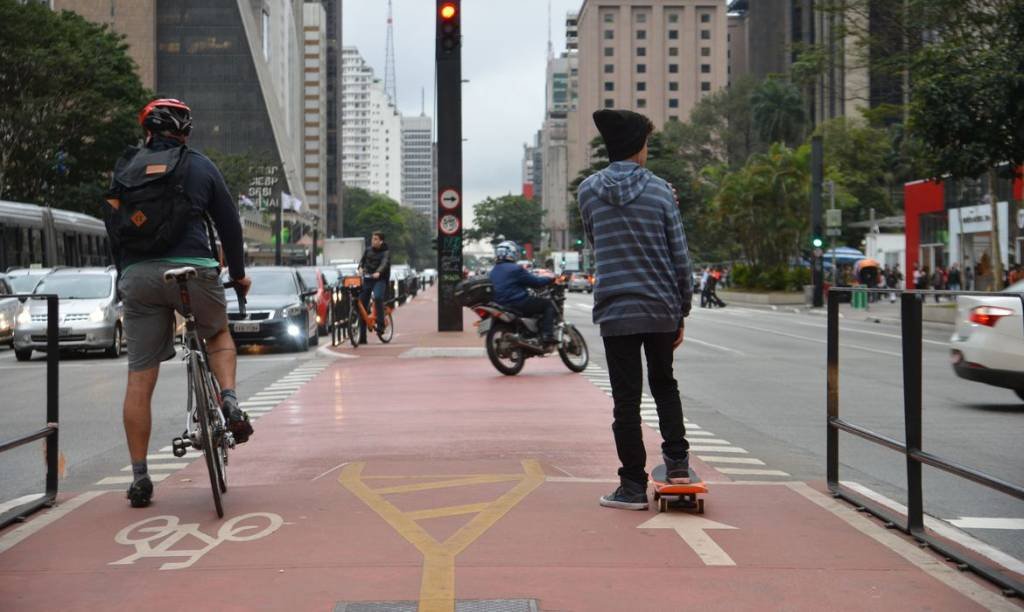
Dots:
{"x": 149, "y": 209}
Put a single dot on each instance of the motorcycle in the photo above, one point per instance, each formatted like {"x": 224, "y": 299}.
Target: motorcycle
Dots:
{"x": 512, "y": 338}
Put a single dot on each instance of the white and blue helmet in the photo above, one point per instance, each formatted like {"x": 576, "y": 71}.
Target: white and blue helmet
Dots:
{"x": 506, "y": 251}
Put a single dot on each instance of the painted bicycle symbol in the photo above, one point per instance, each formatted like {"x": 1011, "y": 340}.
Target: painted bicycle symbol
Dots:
{"x": 146, "y": 537}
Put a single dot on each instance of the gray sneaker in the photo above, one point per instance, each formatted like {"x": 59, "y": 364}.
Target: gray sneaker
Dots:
{"x": 627, "y": 497}
{"x": 677, "y": 470}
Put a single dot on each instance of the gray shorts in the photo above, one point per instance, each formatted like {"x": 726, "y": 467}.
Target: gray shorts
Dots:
{"x": 149, "y": 305}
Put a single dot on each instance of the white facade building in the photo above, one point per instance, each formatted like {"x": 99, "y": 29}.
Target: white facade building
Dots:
{"x": 371, "y": 140}
{"x": 418, "y": 165}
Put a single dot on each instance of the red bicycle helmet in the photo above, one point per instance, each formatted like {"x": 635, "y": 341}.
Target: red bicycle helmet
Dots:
{"x": 167, "y": 115}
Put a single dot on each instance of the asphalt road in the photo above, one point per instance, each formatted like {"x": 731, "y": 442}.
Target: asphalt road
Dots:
{"x": 91, "y": 434}
{"x": 757, "y": 378}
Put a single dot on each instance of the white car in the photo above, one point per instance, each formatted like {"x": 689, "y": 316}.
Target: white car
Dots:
{"x": 988, "y": 342}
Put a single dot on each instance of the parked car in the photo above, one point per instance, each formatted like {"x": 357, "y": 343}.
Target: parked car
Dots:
{"x": 280, "y": 310}
{"x": 91, "y": 317}
{"x": 580, "y": 282}
{"x": 988, "y": 342}
{"x": 9, "y": 309}
{"x": 314, "y": 278}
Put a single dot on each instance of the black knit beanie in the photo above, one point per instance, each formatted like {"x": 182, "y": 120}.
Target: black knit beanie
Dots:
{"x": 624, "y": 132}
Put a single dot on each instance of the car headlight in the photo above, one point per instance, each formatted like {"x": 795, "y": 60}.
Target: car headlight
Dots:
{"x": 24, "y": 318}
{"x": 98, "y": 315}
{"x": 3, "y": 321}
{"x": 293, "y": 311}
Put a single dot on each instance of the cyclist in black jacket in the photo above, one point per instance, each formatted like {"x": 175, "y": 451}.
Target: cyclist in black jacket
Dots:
{"x": 149, "y": 302}
{"x": 376, "y": 270}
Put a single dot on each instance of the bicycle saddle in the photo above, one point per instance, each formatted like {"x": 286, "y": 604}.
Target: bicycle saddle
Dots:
{"x": 180, "y": 274}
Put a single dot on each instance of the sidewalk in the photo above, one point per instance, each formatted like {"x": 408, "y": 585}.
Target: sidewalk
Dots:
{"x": 411, "y": 476}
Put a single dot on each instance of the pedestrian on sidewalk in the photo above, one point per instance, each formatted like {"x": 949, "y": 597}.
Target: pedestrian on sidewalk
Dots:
{"x": 705, "y": 286}
{"x": 713, "y": 281}
{"x": 631, "y": 219}
{"x": 375, "y": 267}
{"x": 938, "y": 281}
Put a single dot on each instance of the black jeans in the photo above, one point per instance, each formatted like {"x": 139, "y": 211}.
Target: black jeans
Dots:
{"x": 538, "y": 306}
{"x": 626, "y": 373}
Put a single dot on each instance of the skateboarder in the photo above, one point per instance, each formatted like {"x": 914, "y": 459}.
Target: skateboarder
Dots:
{"x": 631, "y": 219}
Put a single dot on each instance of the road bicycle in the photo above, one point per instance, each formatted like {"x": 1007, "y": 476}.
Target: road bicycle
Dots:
{"x": 205, "y": 426}
{"x": 357, "y": 313}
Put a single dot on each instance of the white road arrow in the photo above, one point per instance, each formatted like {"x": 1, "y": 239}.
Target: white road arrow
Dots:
{"x": 691, "y": 529}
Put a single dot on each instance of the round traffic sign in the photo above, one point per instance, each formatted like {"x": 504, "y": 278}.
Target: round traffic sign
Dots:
{"x": 450, "y": 199}
{"x": 449, "y": 224}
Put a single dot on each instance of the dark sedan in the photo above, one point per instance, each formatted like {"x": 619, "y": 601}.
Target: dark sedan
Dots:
{"x": 280, "y": 310}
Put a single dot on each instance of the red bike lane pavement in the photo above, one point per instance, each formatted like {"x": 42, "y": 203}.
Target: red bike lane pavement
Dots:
{"x": 438, "y": 484}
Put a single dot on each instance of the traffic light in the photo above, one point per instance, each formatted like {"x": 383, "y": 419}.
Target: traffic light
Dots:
{"x": 579, "y": 243}
{"x": 817, "y": 242}
{"x": 448, "y": 27}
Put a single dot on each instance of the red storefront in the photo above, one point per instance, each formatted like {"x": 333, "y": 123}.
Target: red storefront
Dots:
{"x": 931, "y": 223}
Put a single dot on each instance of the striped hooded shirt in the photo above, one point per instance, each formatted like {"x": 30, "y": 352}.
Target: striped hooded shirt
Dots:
{"x": 632, "y": 222}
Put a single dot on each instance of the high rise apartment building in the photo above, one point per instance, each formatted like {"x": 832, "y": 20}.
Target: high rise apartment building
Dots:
{"x": 418, "y": 166}
{"x": 314, "y": 135}
{"x": 562, "y": 98}
{"x": 333, "y": 68}
{"x": 657, "y": 57}
{"x": 371, "y": 130}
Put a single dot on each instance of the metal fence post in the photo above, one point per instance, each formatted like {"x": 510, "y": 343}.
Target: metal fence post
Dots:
{"x": 52, "y": 394}
{"x": 911, "y": 322}
{"x": 832, "y": 434}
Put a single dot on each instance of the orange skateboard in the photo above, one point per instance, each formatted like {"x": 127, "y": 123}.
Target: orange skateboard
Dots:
{"x": 682, "y": 496}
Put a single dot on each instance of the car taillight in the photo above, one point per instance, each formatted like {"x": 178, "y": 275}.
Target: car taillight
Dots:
{"x": 988, "y": 315}
{"x": 480, "y": 312}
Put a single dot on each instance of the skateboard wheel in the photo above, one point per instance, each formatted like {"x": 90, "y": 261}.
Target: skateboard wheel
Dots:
{"x": 700, "y": 506}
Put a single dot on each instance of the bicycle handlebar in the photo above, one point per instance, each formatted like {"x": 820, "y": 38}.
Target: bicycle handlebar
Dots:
{"x": 238, "y": 294}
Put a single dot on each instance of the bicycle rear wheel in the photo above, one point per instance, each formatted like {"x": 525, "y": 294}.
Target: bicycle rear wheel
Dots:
{"x": 389, "y": 329}
{"x": 353, "y": 326}
{"x": 210, "y": 445}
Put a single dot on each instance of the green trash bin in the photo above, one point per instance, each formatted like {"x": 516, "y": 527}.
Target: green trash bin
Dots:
{"x": 859, "y": 299}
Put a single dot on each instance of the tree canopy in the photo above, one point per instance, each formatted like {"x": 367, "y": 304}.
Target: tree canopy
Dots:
{"x": 514, "y": 217}
{"x": 69, "y": 98}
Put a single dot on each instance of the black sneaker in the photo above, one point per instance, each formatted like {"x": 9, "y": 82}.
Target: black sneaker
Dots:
{"x": 627, "y": 497}
{"x": 677, "y": 470}
{"x": 140, "y": 493}
{"x": 238, "y": 420}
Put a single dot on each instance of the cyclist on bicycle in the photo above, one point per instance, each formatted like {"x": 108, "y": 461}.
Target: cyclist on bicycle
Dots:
{"x": 375, "y": 266}
{"x": 162, "y": 240}
{"x": 510, "y": 284}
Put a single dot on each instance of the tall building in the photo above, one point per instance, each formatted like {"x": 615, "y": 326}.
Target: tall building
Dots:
{"x": 738, "y": 52}
{"x": 333, "y": 198}
{"x": 657, "y": 57}
{"x": 371, "y": 130}
{"x": 235, "y": 62}
{"x": 314, "y": 134}
{"x": 418, "y": 165}
{"x": 772, "y": 35}
{"x": 562, "y": 98}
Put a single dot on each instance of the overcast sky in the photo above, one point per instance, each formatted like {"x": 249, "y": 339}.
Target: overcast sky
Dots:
{"x": 504, "y": 56}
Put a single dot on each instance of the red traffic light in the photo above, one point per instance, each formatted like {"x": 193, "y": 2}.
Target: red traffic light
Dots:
{"x": 448, "y": 11}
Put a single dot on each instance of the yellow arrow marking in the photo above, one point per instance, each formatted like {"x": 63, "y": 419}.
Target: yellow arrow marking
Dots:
{"x": 437, "y": 586}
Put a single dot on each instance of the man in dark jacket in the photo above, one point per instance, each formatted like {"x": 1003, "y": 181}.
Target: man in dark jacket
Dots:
{"x": 150, "y": 302}
{"x": 376, "y": 269}
{"x": 510, "y": 284}
{"x": 643, "y": 293}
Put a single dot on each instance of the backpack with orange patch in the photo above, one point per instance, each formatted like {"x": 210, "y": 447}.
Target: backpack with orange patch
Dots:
{"x": 149, "y": 210}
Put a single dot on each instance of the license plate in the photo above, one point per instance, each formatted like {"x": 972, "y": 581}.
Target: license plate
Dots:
{"x": 247, "y": 328}
{"x": 485, "y": 326}
{"x": 64, "y": 331}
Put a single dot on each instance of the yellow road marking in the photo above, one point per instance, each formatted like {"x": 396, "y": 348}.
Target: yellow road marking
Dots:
{"x": 437, "y": 586}
{"x": 448, "y": 511}
{"x": 446, "y": 484}
{"x": 440, "y": 476}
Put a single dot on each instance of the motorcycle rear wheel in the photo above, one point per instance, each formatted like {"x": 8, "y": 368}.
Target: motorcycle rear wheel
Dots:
{"x": 513, "y": 361}
{"x": 576, "y": 356}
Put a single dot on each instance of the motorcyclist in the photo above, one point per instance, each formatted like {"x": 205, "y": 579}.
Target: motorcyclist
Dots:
{"x": 510, "y": 283}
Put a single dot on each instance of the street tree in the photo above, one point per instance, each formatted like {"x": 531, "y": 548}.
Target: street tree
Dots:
{"x": 968, "y": 98}
{"x": 419, "y": 236}
{"x": 240, "y": 169}
{"x": 69, "y": 98}
{"x": 514, "y": 217}
{"x": 778, "y": 111}
{"x": 367, "y": 212}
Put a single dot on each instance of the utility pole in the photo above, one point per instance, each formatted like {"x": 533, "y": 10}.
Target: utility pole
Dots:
{"x": 279, "y": 230}
{"x": 449, "y": 162}
{"x": 817, "y": 265}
